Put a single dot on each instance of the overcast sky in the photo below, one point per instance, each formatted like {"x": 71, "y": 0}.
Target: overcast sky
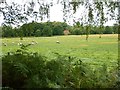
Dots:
{"x": 56, "y": 13}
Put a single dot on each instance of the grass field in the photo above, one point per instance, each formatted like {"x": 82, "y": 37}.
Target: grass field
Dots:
{"x": 96, "y": 51}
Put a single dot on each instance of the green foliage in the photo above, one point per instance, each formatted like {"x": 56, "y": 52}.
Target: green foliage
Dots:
{"x": 23, "y": 69}
{"x": 14, "y": 14}
{"x": 108, "y": 30}
{"x": 115, "y": 28}
{"x": 77, "y": 31}
{"x": 55, "y": 28}
{"x": 47, "y": 31}
{"x": 38, "y": 33}
{"x": 42, "y": 29}
{"x": 7, "y": 31}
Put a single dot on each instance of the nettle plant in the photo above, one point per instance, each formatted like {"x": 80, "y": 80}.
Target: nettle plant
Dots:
{"x": 20, "y": 66}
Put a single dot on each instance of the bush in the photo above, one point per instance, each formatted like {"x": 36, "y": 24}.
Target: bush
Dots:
{"x": 20, "y": 67}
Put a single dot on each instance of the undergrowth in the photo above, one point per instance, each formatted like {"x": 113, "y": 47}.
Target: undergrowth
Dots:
{"x": 23, "y": 69}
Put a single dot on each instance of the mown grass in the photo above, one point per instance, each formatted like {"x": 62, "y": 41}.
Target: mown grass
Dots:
{"x": 96, "y": 51}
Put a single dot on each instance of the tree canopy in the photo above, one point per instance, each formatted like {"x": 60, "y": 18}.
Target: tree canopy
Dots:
{"x": 95, "y": 13}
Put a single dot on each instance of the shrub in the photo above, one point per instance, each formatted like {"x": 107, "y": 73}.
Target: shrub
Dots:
{"x": 18, "y": 68}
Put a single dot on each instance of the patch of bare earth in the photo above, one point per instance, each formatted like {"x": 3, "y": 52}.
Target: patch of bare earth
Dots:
{"x": 83, "y": 45}
{"x": 107, "y": 42}
{"x": 105, "y": 35}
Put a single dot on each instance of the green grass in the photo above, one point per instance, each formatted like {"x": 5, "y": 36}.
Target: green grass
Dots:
{"x": 96, "y": 51}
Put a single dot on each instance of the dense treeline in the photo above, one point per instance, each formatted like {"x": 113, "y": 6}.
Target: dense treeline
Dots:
{"x": 35, "y": 29}
{"x": 54, "y": 28}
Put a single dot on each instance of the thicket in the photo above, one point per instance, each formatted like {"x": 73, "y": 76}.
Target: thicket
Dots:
{"x": 54, "y": 28}
{"x": 24, "y": 69}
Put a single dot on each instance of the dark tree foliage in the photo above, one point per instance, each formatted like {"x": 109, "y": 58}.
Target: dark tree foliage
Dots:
{"x": 35, "y": 29}
{"x": 54, "y": 28}
{"x": 15, "y": 14}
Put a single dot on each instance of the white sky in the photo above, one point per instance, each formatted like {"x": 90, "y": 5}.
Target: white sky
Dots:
{"x": 56, "y": 13}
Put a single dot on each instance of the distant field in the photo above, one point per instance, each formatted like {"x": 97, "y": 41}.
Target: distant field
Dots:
{"x": 95, "y": 51}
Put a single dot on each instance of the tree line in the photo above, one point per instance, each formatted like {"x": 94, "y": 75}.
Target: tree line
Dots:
{"x": 90, "y": 21}
{"x": 54, "y": 28}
